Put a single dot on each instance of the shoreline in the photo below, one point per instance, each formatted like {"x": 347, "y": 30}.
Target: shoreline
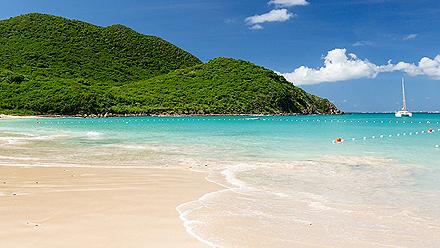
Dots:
{"x": 107, "y": 207}
{"x": 3, "y": 116}
{"x": 11, "y": 117}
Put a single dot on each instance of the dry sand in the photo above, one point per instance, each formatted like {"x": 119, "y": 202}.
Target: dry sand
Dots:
{"x": 96, "y": 207}
{"x": 8, "y": 117}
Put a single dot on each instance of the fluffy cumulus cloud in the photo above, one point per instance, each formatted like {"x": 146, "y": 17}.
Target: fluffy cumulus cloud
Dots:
{"x": 288, "y": 3}
{"x": 426, "y": 66}
{"x": 276, "y": 15}
{"x": 340, "y": 66}
{"x": 280, "y": 13}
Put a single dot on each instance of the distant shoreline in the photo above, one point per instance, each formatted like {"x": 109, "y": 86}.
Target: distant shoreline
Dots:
{"x": 8, "y": 116}
{"x": 4, "y": 116}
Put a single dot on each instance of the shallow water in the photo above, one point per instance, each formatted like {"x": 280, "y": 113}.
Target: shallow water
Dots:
{"x": 287, "y": 183}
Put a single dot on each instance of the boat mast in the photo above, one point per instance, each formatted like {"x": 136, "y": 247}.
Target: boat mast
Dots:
{"x": 403, "y": 94}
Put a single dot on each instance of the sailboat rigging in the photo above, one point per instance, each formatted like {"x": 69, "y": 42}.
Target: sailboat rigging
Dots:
{"x": 404, "y": 112}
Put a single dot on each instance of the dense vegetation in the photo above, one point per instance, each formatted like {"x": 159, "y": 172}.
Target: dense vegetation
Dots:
{"x": 54, "y": 47}
{"x": 219, "y": 87}
{"x": 51, "y": 65}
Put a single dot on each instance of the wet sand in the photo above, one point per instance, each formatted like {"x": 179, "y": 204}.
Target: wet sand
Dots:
{"x": 96, "y": 207}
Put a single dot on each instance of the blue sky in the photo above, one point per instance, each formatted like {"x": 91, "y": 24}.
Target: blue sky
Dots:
{"x": 376, "y": 31}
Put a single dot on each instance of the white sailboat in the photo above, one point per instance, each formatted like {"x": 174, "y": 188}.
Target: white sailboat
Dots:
{"x": 404, "y": 112}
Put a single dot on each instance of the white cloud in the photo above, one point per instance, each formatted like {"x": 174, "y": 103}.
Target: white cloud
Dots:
{"x": 279, "y": 14}
{"x": 256, "y": 27}
{"x": 337, "y": 67}
{"x": 276, "y": 15}
{"x": 340, "y": 66}
{"x": 410, "y": 37}
{"x": 362, "y": 43}
{"x": 288, "y": 3}
{"x": 426, "y": 66}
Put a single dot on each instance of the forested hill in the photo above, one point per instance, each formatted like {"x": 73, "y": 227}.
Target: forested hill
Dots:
{"x": 53, "y": 65}
{"x": 54, "y": 47}
{"x": 222, "y": 86}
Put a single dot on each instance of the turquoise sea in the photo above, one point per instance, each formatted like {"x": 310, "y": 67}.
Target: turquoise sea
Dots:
{"x": 287, "y": 182}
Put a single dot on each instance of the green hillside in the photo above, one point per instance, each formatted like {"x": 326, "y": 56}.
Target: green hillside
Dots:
{"x": 222, "y": 86}
{"x": 54, "y": 47}
{"x": 52, "y": 65}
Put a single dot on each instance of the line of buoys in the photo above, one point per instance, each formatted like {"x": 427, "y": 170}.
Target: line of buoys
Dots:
{"x": 172, "y": 120}
{"x": 197, "y": 119}
{"x": 340, "y": 140}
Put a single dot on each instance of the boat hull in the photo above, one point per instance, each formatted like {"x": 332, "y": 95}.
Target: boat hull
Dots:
{"x": 401, "y": 114}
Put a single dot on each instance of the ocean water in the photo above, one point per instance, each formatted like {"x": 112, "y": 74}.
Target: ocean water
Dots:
{"x": 287, "y": 183}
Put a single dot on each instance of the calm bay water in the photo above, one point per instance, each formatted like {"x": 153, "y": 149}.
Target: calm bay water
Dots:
{"x": 287, "y": 183}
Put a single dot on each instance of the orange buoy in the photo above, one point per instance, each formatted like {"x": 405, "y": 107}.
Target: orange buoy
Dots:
{"x": 339, "y": 140}
{"x": 430, "y": 130}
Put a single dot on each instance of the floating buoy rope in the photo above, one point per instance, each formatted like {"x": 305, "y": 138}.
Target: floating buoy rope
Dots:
{"x": 338, "y": 140}
{"x": 382, "y": 136}
{"x": 200, "y": 119}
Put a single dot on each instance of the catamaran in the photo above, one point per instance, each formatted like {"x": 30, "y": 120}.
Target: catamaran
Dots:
{"x": 404, "y": 112}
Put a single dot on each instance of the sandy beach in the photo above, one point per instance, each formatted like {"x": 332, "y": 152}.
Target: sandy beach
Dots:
{"x": 96, "y": 207}
{"x": 9, "y": 117}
